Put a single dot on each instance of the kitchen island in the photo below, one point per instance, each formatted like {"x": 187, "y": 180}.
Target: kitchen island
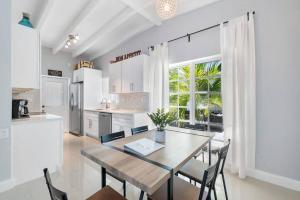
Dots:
{"x": 36, "y": 143}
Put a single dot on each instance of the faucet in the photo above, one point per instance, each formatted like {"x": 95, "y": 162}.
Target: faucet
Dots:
{"x": 104, "y": 100}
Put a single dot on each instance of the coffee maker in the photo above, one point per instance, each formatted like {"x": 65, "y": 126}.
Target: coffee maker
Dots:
{"x": 20, "y": 108}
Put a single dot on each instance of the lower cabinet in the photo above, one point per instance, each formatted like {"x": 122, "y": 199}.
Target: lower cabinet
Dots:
{"x": 91, "y": 124}
{"x": 124, "y": 122}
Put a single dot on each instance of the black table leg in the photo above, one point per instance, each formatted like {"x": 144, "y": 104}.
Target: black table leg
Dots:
{"x": 209, "y": 152}
{"x": 103, "y": 176}
{"x": 170, "y": 187}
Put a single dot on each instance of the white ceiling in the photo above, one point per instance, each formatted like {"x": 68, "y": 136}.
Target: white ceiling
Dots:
{"x": 101, "y": 24}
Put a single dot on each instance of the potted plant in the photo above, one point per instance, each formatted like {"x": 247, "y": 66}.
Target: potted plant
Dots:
{"x": 161, "y": 119}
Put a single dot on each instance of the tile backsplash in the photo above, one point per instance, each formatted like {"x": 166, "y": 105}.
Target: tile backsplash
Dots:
{"x": 136, "y": 101}
{"x": 33, "y": 97}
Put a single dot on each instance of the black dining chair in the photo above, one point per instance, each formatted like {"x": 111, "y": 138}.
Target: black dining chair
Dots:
{"x": 184, "y": 190}
{"x": 191, "y": 169}
{"x": 106, "y": 193}
{"x": 138, "y": 130}
{"x": 108, "y": 138}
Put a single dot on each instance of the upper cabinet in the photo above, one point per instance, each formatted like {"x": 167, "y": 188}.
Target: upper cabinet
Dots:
{"x": 25, "y": 58}
{"x": 130, "y": 75}
{"x": 92, "y": 86}
{"x": 115, "y": 78}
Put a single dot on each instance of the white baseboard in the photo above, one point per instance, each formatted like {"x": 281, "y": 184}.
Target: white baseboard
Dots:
{"x": 6, "y": 185}
{"x": 274, "y": 179}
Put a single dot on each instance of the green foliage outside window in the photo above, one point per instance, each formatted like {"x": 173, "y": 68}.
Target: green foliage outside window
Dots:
{"x": 207, "y": 90}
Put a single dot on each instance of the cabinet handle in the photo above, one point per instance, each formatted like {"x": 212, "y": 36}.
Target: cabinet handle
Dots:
{"x": 131, "y": 87}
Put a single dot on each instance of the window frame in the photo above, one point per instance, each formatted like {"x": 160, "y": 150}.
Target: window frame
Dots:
{"x": 192, "y": 88}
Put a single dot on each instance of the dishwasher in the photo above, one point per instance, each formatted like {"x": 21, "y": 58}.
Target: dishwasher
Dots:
{"x": 105, "y": 123}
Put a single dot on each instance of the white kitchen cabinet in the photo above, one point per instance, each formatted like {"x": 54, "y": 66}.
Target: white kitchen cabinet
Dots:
{"x": 36, "y": 143}
{"x": 26, "y": 47}
{"x": 78, "y": 75}
{"x": 130, "y": 75}
{"x": 124, "y": 122}
{"x": 91, "y": 124}
{"x": 92, "y": 86}
{"x": 115, "y": 78}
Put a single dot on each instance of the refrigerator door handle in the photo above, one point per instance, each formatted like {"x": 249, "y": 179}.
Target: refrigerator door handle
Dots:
{"x": 72, "y": 101}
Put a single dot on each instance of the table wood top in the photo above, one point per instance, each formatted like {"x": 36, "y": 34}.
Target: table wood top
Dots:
{"x": 144, "y": 175}
{"x": 179, "y": 147}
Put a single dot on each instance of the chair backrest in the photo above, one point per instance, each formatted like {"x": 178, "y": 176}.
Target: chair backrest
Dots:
{"x": 55, "y": 194}
{"x": 138, "y": 130}
{"x": 209, "y": 178}
{"x": 112, "y": 136}
{"x": 223, "y": 154}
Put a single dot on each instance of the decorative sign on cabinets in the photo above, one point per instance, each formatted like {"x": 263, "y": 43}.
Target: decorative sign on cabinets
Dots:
{"x": 126, "y": 56}
{"x": 54, "y": 73}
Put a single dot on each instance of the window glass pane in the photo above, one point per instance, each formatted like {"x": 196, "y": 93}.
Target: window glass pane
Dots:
{"x": 173, "y": 74}
{"x": 184, "y": 100}
{"x": 215, "y": 102}
{"x": 184, "y": 73}
{"x": 173, "y": 87}
{"x": 173, "y": 100}
{"x": 184, "y": 114}
{"x": 184, "y": 86}
{"x": 215, "y": 84}
{"x": 174, "y": 110}
{"x": 201, "y": 107}
{"x": 201, "y": 85}
{"x": 200, "y": 70}
{"x": 213, "y": 68}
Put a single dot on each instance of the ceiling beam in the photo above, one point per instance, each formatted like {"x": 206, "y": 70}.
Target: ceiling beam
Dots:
{"x": 125, "y": 37}
{"x": 137, "y": 6}
{"x": 44, "y": 13}
{"x": 79, "y": 19}
{"x": 107, "y": 28}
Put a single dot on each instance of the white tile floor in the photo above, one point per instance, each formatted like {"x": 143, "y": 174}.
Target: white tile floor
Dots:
{"x": 80, "y": 178}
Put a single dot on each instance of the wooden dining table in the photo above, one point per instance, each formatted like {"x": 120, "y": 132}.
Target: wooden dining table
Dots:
{"x": 150, "y": 172}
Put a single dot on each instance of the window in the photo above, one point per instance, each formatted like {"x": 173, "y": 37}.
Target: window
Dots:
{"x": 195, "y": 94}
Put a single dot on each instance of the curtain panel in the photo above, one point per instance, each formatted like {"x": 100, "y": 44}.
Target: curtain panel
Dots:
{"x": 239, "y": 91}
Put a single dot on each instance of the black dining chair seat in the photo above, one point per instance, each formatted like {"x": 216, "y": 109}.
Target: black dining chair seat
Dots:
{"x": 195, "y": 169}
{"x": 106, "y": 193}
{"x": 182, "y": 191}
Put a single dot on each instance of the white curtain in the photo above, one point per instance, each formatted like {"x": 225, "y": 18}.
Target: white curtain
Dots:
{"x": 159, "y": 77}
{"x": 238, "y": 92}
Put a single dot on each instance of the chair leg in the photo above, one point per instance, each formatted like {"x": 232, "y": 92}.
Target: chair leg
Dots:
{"x": 215, "y": 193}
{"x": 141, "y": 195}
{"x": 124, "y": 188}
{"x": 224, "y": 184}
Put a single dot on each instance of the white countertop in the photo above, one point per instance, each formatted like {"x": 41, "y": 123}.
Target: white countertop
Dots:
{"x": 117, "y": 111}
{"x": 37, "y": 118}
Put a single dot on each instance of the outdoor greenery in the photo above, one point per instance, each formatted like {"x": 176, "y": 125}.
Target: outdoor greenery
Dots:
{"x": 161, "y": 118}
{"x": 207, "y": 90}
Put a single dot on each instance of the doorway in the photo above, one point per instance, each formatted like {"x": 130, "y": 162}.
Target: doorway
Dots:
{"x": 55, "y": 97}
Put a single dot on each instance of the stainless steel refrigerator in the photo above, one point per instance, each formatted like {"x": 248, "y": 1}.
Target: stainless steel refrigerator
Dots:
{"x": 76, "y": 108}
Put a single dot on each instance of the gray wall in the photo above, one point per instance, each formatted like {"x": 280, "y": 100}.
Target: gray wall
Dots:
{"x": 5, "y": 86}
{"x": 277, "y": 48}
{"x": 62, "y": 61}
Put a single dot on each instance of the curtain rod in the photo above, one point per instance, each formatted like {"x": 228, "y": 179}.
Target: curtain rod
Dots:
{"x": 193, "y": 33}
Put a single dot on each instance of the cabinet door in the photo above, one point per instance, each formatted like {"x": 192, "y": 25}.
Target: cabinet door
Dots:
{"x": 132, "y": 74}
{"x": 25, "y": 58}
{"x": 115, "y": 78}
{"x": 78, "y": 75}
{"x": 91, "y": 124}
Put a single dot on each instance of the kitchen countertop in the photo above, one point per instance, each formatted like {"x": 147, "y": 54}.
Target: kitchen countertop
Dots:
{"x": 37, "y": 118}
{"x": 117, "y": 111}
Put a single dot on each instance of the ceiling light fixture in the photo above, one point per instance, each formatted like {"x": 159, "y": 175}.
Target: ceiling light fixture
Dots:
{"x": 166, "y": 9}
{"x": 73, "y": 39}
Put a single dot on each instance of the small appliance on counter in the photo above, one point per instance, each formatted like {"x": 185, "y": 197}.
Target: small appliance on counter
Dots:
{"x": 20, "y": 108}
